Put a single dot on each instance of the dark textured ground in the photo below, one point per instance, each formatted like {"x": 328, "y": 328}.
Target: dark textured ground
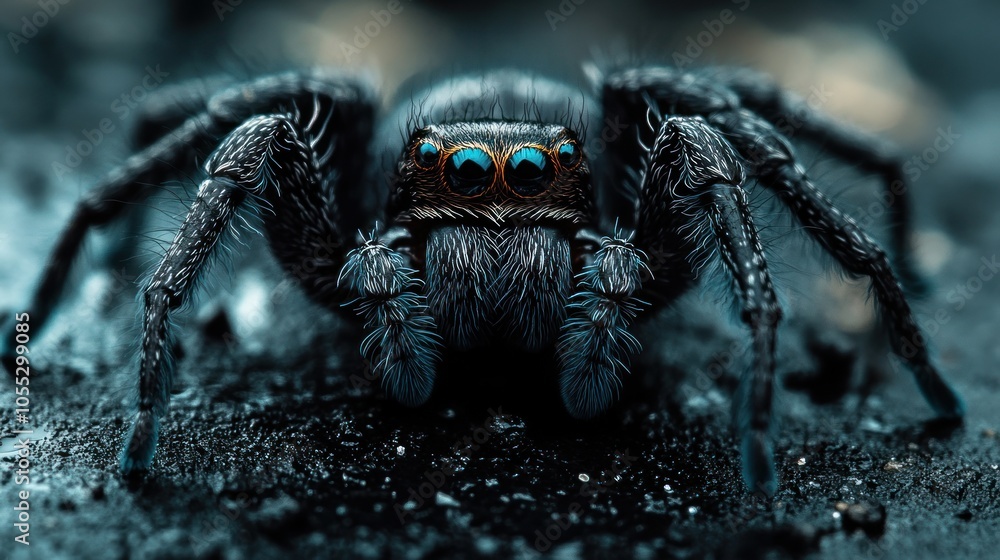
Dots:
{"x": 270, "y": 448}
{"x": 277, "y": 446}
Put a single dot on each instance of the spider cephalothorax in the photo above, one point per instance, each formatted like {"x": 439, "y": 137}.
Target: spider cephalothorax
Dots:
{"x": 493, "y": 208}
{"x": 491, "y": 222}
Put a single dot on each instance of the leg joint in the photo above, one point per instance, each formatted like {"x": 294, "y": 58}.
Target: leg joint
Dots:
{"x": 762, "y": 317}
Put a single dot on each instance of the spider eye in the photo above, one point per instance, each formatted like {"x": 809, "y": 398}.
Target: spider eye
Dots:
{"x": 569, "y": 154}
{"x": 470, "y": 171}
{"x": 527, "y": 171}
{"x": 427, "y": 153}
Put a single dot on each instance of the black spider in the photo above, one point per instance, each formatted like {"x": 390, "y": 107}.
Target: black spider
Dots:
{"x": 492, "y": 207}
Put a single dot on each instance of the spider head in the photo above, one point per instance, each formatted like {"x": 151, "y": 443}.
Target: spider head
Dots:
{"x": 496, "y": 172}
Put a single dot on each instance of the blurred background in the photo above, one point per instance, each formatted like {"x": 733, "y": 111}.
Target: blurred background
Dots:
{"x": 922, "y": 73}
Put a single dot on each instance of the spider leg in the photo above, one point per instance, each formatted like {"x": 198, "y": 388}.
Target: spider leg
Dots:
{"x": 402, "y": 341}
{"x": 165, "y": 109}
{"x": 785, "y": 110}
{"x": 627, "y": 92}
{"x": 124, "y": 187}
{"x": 692, "y": 200}
{"x": 595, "y": 345}
{"x": 846, "y": 241}
{"x": 175, "y": 154}
{"x": 218, "y": 199}
{"x": 278, "y": 167}
{"x": 170, "y": 105}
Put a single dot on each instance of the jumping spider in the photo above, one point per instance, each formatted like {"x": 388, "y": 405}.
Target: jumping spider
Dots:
{"x": 492, "y": 211}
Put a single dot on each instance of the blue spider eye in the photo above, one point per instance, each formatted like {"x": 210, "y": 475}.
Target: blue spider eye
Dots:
{"x": 568, "y": 153}
{"x": 470, "y": 171}
{"x": 528, "y": 171}
{"x": 427, "y": 153}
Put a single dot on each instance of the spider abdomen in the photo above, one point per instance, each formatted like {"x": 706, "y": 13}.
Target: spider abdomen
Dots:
{"x": 498, "y": 285}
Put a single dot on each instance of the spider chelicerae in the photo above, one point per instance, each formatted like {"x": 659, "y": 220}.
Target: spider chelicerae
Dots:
{"x": 497, "y": 225}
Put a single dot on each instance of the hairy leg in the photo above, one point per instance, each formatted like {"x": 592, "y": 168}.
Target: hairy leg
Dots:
{"x": 846, "y": 241}
{"x": 280, "y": 167}
{"x": 170, "y": 105}
{"x": 794, "y": 116}
{"x": 175, "y": 154}
{"x": 628, "y": 92}
{"x": 692, "y": 200}
{"x": 402, "y": 342}
{"x": 596, "y": 345}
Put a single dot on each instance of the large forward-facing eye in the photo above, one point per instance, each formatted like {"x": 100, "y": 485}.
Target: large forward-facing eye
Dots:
{"x": 470, "y": 171}
{"x": 528, "y": 171}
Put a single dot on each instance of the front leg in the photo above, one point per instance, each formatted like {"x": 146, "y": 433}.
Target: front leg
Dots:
{"x": 283, "y": 168}
{"x": 218, "y": 200}
{"x": 596, "y": 344}
{"x": 238, "y": 178}
{"x": 402, "y": 341}
{"x": 693, "y": 208}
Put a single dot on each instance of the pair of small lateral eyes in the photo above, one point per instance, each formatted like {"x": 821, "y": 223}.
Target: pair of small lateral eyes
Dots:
{"x": 528, "y": 170}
